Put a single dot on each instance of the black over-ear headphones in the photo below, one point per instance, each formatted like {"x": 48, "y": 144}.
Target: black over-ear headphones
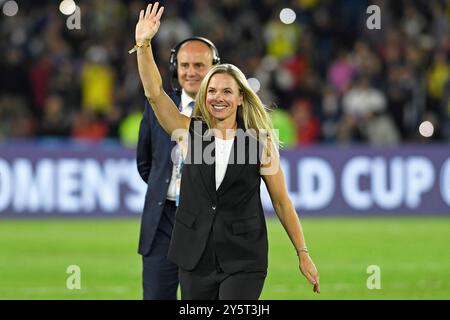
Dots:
{"x": 174, "y": 53}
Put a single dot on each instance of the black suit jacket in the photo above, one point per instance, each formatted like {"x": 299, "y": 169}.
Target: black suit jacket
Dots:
{"x": 155, "y": 167}
{"x": 233, "y": 213}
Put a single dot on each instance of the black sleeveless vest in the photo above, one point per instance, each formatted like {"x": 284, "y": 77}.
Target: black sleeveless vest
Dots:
{"x": 233, "y": 214}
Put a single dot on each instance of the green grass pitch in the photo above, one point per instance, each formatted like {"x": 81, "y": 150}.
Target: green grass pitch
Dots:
{"x": 412, "y": 254}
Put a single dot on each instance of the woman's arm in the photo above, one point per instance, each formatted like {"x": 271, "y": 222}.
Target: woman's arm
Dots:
{"x": 166, "y": 112}
{"x": 286, "y": 213}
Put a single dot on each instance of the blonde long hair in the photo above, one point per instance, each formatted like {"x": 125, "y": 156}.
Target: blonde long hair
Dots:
{"x": 253, "y": 113}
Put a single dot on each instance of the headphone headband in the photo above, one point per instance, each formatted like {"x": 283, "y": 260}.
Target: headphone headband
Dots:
{"x": 174, "y": 52}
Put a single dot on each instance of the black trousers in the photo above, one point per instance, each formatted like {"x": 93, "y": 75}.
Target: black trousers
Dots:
{"x": 208, "y": 281}
{"x": 160, "y": 276}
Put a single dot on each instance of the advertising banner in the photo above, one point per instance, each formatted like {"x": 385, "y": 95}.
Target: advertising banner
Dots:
{"x": 97, "y": 181}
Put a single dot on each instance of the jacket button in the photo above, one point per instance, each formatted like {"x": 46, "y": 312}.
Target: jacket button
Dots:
{"x": 160, "y": 203}
{"x": 167, "y": 180}
{"x": 214, "y": 208}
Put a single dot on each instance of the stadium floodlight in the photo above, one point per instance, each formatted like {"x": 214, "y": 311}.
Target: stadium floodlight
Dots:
{"x": 10, "y": 8}
{"x": 287, "y": 16}
{"x": 426, "y": 129}
{"x": 67, "y": 7}
{"x": 254, "y": 84}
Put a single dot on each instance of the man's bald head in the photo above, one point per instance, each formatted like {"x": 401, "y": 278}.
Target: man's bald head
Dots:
{"x": 194, "y": 59}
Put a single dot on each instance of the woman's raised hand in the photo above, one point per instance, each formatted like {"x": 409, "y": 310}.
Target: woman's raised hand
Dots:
{"x": 148, "y": 23}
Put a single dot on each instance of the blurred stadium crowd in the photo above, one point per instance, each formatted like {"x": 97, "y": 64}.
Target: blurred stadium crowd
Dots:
{"x": 331, "y": 79}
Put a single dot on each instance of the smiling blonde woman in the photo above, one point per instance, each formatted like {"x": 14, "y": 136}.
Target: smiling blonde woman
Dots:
{"x": 219, "y": 239}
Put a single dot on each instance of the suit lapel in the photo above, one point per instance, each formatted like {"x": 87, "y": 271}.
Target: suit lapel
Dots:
{"x": 176, "y": 98}
{"x": 209, "y": 174}
{"x": 207, "y": 168}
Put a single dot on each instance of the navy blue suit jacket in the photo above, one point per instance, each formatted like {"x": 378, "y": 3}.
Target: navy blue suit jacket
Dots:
{"x": 155, "y": 167}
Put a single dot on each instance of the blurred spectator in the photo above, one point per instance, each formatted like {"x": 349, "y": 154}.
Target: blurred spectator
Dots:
{"x": 413, "y": 22}
{"x": 283, "y": 122}
{"x": 341, "y": 72}
{"x": 331, "y": 111}
{"x": 363, "y": 99}
{"x": 323, "y": 27}
{"x": 306, "y": 123}
{"x": 403, "y": 98}
{"x": 445, "y": 111}
{"x": 97, "y": 81}
{"x": 113, "y": 119}
{"x": 437, "y": 76}
{"x": 245, "y": 33}
{"x": 350, "y": 13}
{"x": 89, "y": 126}
{"x": 129, "y": 129}
{"x": 40, "y": 78}
{"x": 364, "y": 116}
{"x": 14, "y": 79}
{"x": 15, "y": 119}
{"x": 282, "y": 39}
{"x": 65, "y": 82}
{"x": 208, "y": 22}
{"x": 315, "y": 58}
{"x": 296, "y": 65}
{"x": 399, "y": 95}
{"x": 55, "y": 121}
{"x": 392, "y": 50}
{"x": 440, "y": 22}
{"x": 365, "y": 61}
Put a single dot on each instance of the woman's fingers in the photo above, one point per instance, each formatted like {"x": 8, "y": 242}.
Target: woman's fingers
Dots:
{"x": 148, "y": 11}
{"x": 154, "y": 9}
{"x": 316, "y": 288}
{"x": 316, "y": 284}
{"x": 152, "y": 12}
{"x": 161, "y": 10}
{"x": 309, "y": 277}
{"x": 313, "y": 279}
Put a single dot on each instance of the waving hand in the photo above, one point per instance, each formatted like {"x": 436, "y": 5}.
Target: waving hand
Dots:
{"x": 148, "y": 23}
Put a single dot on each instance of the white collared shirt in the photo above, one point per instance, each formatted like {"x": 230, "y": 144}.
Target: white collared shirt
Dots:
{"x": 185, "y": 100}
{"x": 187, "y": 111}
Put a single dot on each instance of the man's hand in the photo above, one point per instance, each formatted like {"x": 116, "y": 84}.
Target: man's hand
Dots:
{"x": 148, "y": 23}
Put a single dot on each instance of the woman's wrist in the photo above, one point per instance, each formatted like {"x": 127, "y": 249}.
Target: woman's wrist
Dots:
{"x": 302, "y": 251}
{"x": 142, "y": 42}
{"x": 303, "y": 256}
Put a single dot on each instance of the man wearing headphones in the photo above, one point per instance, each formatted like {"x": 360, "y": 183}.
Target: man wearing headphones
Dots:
{"x": 189, "y": 62}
